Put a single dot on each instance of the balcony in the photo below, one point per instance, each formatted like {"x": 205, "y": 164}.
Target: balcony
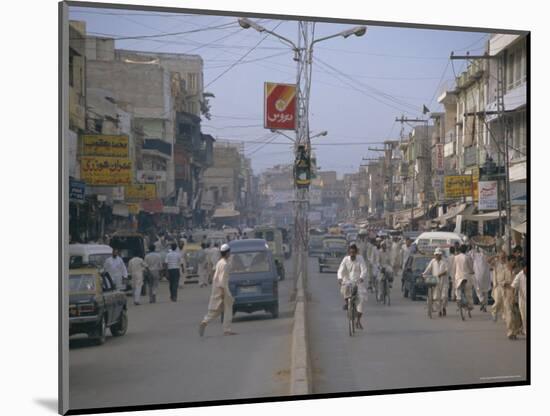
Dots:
{"x": 157, "y": 147}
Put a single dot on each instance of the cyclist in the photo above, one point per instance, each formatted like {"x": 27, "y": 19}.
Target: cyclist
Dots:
{"x": 354, "y": 270}
{"x": 385, "y": 269}
{"x": 463, "y": 271}
{"x": 438, "y": 268}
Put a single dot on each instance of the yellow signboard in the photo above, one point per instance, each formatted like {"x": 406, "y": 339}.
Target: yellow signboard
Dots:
{"x": 458, "y": 186}
{"x": 97, "y": 170}
{"x": 102, "y": 145}
{"x": 140, "y": 191}
{"x": 475, "y": 184}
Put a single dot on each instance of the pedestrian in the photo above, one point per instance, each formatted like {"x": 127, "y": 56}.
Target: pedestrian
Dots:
{"x": 463, "y": 272}
{"x": 173, "y": 265}
{"x": 221, "y": 299}
{"x": 451, "y": 264}
{"x": 353, "y": 271}
{"x": 520, "y": 285}
{"x": 439, "y": 268}
{"x": 114, "y": 265}
{"x": 482, "y": 274}
{"x": 154, "y": 265}
{"x": 406, "y": 252}
{"x": 385, "y": 270}
{"x": 395, "y": 256}
{"x": 374, "y": 265}
{"x": 499, "y": 270}
{"x": 511, "y": 315}
{"x": 183, "y": 258}
{"x": 136, "y": 267}
{"x": 202, "y": 265}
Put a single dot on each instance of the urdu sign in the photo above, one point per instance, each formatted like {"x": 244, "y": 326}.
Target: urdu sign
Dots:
{"x": 97, "y": 170}
{"x": 458, "y": 186}
{"x": 103, "y": 145}
{"x": 279, "y": 106}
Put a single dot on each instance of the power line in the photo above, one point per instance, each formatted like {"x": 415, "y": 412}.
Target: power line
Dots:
{"x": 241, "y": 58}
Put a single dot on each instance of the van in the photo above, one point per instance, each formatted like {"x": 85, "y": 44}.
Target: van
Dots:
{"x": 427, "y": 242}
{"x": 89, "y": 254}
{"x": 253, "y": 279}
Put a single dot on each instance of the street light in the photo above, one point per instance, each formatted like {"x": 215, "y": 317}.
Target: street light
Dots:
{"x": 357, "y": 31}
{"x": 246, "y": 23}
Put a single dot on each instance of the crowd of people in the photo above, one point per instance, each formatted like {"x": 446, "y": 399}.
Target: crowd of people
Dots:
{"x": 466, "y": 269}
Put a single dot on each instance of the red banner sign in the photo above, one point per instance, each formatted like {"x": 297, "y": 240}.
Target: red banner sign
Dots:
{"x": 280, "y": 106}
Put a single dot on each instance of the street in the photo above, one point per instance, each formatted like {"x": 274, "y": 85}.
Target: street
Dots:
{"x": 162, "y": 359}
{"x": 401, "y": 347}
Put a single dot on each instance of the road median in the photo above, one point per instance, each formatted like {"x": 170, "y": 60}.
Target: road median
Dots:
{"x": 300, "y": 372}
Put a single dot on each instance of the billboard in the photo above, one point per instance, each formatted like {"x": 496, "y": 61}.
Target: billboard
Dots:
{"x": 103, "y": 145}
{"x": 458, "y": 186}
{"x": 98, "y": 170}
{"x": 150, "y": 176}
{"x": 439, "y": 158}
{"x": 140, "y": 191}
{"x": 279, "y": 106}
{"x": 488, "y": 195}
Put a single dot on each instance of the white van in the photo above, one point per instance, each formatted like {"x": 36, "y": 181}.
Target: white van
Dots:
{"x": 427, "y": 242}
{"x": 92, "y": 254}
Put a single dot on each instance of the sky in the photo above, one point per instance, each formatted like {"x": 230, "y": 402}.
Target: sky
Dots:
{"x": 359, "y": 84}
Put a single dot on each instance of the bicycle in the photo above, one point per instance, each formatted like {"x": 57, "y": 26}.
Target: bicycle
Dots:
{"x": 351, "y": 301}
{"x": 462, "y": 303}
{"x": 431, "y": 282}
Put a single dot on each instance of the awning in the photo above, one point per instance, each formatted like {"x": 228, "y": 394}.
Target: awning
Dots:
{"x": 225, "y": 213}
{"x": 451, "y": 213}
{"x": 520, "y": 228}
{"x": 488, "y": 216}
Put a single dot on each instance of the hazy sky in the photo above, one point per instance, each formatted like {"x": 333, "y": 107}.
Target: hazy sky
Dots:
{"x": 386, "y": 73}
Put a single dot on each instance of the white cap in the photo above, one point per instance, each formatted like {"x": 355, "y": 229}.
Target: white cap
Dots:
{"x": 224, "y": 248}
{"x": 438, "y": 251}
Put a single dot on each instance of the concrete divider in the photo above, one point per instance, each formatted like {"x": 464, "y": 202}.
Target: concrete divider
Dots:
{"x": 300, "y": 372}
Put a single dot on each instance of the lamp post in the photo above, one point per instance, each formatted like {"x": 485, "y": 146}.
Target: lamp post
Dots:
{"x": 303, "y": 55}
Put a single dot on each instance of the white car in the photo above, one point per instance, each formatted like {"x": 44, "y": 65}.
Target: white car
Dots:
{"x": 427, "y": 242}
{"x": 91, "y": 254}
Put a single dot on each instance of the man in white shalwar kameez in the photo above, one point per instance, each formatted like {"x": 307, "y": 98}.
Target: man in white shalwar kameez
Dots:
{"x": 462, "y": 272}
{"x": 221, "y": 299}
{"x": 439, "y": 268}
{"x": 482, "y": 277}
{"x": 136, "y": 267}
{"x": 520, "y": 284}
{"x": 353, "y": 270}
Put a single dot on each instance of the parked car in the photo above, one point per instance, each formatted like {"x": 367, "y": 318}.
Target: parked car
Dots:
{"x": 413, "y": 283}
{"x": 91, "y": 254}
{"x": 253, "y": 279}
{"x": 274, "y": 238}
{"x": 129, "y": 244}
{"x": 334, "y": 250}
{"x": 95, "y": 304}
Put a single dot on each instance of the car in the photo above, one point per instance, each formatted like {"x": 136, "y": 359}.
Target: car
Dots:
{"x": 413, "y": 283}
{"x": 334, "y": 250}
{"x": 129, "y": 244}
{"x": 315, "y": 246}
{"x": 92, "y": 254}
{"x": 274, "y": 238}
{"x": 427, "y": 242}
{"x": 253, "y": 277}
{"x": 95, "y": 304}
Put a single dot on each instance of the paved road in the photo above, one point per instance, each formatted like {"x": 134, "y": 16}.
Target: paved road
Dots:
{"x": 400, "y": 347}
{"x": 162, "y": 359}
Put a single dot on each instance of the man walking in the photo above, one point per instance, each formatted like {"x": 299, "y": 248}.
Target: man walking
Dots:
{"x": 154, "y": 265}
{"x": 117, "y": 270}
{"x": 439, "y": 269}
{"x": 221, "y": 299}
{"x": 173, "y": 264}
{"x": 482, "y": 275}
{"x": 463, "y": 271}
{"x": 520, "y": 284}
{"x": 406, "y": 252}
{"x": 499, "y": 270}
{"x": 513, "y": 322}
{"x": 353, "y": 271}
{"x": 136, "y": 267}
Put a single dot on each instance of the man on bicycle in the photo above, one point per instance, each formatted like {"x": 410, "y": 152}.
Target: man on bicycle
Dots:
{"x": 439, "y": 269}
{"x": 385, "y": 269}
{"x": 463, "y": 271}
{"x": 353, "y": 270}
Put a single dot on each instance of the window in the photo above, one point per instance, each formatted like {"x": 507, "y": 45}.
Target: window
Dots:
{"x": 82, "y": 283}
{"x": 516, "y": 67}
{"x": 192, "y": 82}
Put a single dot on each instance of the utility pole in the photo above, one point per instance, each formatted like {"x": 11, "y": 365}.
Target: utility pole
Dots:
{"x": 500, "y": 112}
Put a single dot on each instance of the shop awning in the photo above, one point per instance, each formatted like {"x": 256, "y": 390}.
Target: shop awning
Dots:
{"x": 487, "y": 216}
{"x": 520, "y": 228}
{"x": 451, "y": 213}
